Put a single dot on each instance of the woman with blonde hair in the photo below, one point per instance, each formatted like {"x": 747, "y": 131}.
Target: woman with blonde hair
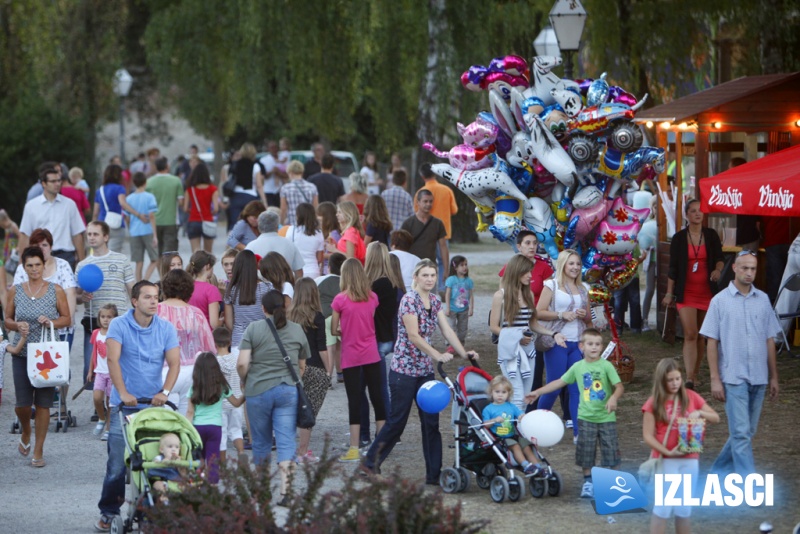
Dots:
{"x": 358, "y": 192}
{"x": 513, "y": 315}
{"x": 420, "y": 313}
{"x": 351, "y": 244}
{"x": 352, "y": 320}
{"x": 249, "y": 174}
{"x": 307, "y": 312}
{"x": 565, "y": 300}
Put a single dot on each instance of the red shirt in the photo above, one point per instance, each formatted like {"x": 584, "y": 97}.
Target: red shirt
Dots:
{"x": 204, "y": 197}
{"x": 78, "y": 197}
{"x": 695, "y": 403}
{"x": 541, "y": 272}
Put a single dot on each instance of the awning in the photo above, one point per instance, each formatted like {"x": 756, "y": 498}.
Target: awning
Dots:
{"x": 766, "y": 186}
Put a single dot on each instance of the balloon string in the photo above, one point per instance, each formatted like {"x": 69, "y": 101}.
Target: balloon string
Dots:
{"x": 614, "y": 333}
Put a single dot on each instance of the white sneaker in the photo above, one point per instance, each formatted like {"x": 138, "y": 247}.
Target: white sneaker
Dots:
{"x": 587, "y": 492}
{"x": 98, "y": 428}
{"x": 105, "y": 437}
{"x": 568, "y": 423}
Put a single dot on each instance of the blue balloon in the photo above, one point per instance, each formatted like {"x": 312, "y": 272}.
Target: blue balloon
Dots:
{"x": 90, "y": 278}
{"x": 433, "y": 396}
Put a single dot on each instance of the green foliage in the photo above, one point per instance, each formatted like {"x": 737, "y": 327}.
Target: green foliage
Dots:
{"x": 241, "y": 503}
{"x": 32, "y": 132}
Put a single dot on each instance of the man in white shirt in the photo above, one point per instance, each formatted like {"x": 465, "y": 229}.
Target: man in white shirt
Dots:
{"x": 118, "y": 282}
{"x": 274, "y": 177}
{"x": 56, "y": 213}
{"x": 270, "y": 241}
{"x": 400, "y": 243}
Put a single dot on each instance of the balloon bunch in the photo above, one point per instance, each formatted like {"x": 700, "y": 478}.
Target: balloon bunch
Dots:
{"x": 555, "y": 156}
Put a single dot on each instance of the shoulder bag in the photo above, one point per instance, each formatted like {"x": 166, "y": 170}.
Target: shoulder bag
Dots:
{"x": 113, "y": 219}
{"x": 209, "y": 227}
{"x": 48, "y": 360}
{"x": 305, "y": 415}
{"x": 544, "y": 343}
{"x": 651, "y": 466}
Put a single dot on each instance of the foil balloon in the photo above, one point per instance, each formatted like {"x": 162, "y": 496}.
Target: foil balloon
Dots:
{"x": 482, "y": 186}
{"x": 616, "y": 240}
{"x": 587, "y": 197}
{"x": 570, "y": 101}
{"x": 511, "y": 64}
{"x": 619, "y": 278}
{"x": 479, "y": 134}
{"x": 464, "y": 157}
{"x": 511, "y": 70}
{"x": 507, "y": 219}
{"x": 520, "y": 176}
{"x": 621, "y": 214}
{"x": 598, "y": 92}
{"x": 599, "y": 294}
{"x": 549, "y": 151}
{"x": 588, "y": 218}
{"x": 621, "y": 96}
{"x": 503, "y": 141}
{"x": 539, "y": 219}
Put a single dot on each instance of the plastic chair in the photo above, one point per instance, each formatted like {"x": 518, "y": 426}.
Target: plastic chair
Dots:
{"x": 792, "y": 284}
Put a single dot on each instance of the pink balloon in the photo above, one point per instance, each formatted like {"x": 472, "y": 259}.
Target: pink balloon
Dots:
{"x": 616, "y": 240}
{"x": 621, "y": 214}
{"x": 589, "y": 218}
{"x": 464, "y": 156}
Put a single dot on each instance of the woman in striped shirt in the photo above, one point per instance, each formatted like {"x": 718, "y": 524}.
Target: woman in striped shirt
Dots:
{"x": 513, "y": 314}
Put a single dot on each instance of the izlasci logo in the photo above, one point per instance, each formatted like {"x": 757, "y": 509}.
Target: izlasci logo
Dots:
{"x": 616, "y": 492}
{"x": 730, "y": 197}
{"x": 782, "y": 199}
{"x": 734, "y": 490}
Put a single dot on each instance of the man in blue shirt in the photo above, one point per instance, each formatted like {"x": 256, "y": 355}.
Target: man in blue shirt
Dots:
{"x": 741, "y": 328}
{"x": 138, "y": 343}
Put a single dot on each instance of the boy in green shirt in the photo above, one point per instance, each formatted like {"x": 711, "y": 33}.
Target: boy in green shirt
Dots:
{"x": 600, "y": 389}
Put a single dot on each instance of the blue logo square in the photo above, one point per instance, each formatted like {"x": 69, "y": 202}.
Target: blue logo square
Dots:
{"x": 616, "y": 492}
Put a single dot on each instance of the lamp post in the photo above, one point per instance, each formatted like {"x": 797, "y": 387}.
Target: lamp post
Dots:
{"x": 122, "y": 86}
{"x": 546, "y": 43}
{"x": 568, "y": 19}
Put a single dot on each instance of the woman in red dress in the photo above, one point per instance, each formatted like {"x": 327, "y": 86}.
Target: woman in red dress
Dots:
{"x": 695, "y": 266}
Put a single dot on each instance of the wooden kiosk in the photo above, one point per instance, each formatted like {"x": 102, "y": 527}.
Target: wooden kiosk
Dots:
{"x": 767, "y": 105}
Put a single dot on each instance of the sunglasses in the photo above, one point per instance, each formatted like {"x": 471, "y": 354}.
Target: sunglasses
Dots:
{"x": 745, "y": 253}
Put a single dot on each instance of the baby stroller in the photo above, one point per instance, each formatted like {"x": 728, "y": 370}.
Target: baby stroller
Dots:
{"x": 481, "y": 452}
{"x": 141, "y": 435}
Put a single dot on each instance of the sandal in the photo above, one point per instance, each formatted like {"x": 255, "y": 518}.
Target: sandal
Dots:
{"x": 23, "y": 449}
{"x": 38, "y": 462}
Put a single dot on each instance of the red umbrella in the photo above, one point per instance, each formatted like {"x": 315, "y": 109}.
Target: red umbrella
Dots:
{"x": 766, "y": 186}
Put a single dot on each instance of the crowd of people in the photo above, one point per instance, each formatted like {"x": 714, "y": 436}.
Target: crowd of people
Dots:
{"x": 339, "y": 288}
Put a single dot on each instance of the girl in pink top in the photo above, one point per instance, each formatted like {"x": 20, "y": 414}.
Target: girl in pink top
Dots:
{"x": 351, "y": 244}
{"x": 206, "y": 296}
{"x": 669, "y": 394}
{"x": 194, "y": 334}
{"x": 354, "y": 320}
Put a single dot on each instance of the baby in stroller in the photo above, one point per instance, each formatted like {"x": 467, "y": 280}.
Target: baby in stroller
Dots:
{"x": 502, "y": 415}
{"x": 169, "y": 449}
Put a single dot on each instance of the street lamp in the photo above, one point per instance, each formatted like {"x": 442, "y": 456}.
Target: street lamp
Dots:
{"x": 546, "y": 43}
{"x": 568, "y": 19}
{"x": 122, "y": 86}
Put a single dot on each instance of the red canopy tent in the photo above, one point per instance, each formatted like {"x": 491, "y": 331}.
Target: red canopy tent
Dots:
{"x": 766, "y": 186}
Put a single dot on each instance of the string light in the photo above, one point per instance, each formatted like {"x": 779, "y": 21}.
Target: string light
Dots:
{"x": 717, "y": 125}
{"x": 683, "y": 126}
{"x": 649, "y": 124}
{"x": 665, "y": 124}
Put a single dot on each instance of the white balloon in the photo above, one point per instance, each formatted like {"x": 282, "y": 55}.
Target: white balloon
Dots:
{"x": 542, "y": 428}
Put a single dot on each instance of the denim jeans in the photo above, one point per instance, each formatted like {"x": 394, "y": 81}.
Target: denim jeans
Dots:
{"x": 743, "y": 407}
{"x": 628, "y": 295}
{"x": 113, "y": 494}
{"x": 273, "y": 410}
{"x": 443, "y": 269}
{"x": 556, "y": 361}
{"x": 384, "y": 349}
{"x": 404, "y": 389}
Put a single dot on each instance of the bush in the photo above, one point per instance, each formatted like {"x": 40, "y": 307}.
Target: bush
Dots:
{"x": 241, "y": 503}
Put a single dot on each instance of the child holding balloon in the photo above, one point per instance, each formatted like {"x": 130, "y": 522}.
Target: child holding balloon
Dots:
{"x": 98, "y": 372}
{"x": 501, "y": 415}
{"x": 600, "y": 389}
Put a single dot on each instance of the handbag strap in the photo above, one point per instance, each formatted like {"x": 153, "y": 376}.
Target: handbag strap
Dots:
{"x": 103, "y": 196}
{"x": 43, "y": 333}
{"x": 669, "y": 426}
{"x": 286, "y": 359}
{"x": 419, "y": 234}
{"x": 302, "y": 192}
{"x": 197, "y": 203}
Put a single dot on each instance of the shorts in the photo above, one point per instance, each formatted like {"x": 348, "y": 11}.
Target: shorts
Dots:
{"x": 232, "y": 423}
{"x": 329, "y": 338}
{"x": 194, "y": 230}
{"x": 28, "y": 395}
{"x": 586, "y": 449}
{"x": 678, "y": 466}
{"x": 140, "y": 244}
{"x": 517, "y": 440}
{"x": 102, "y": 382}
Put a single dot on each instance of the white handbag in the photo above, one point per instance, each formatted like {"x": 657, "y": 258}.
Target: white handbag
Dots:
{"x": 113, "y": 219}
{"x": 48, "y": 361}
